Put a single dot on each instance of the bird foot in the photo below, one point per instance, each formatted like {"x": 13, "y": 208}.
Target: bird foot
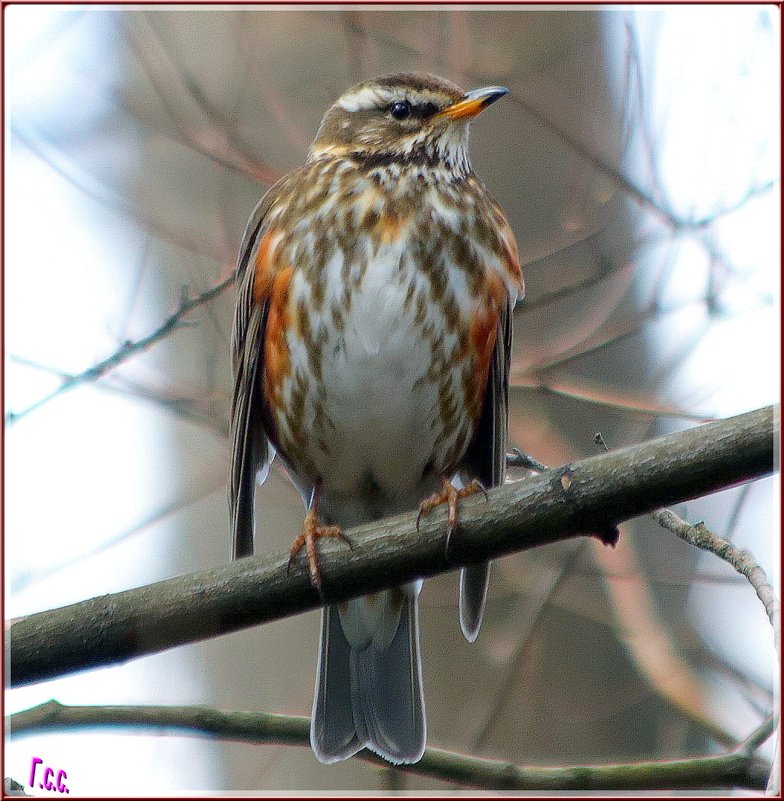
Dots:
{"x": 312, "y": 531}
{"x": 449, "y": 495}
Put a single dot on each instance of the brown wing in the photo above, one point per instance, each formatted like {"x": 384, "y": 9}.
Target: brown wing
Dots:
{"x": 486, "y": 460}
{"x": 249, "y": 446}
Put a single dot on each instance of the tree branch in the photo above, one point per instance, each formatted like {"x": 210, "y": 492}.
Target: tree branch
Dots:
{"x": 735, "y": 769}
{"x": 743, "y": 561}
{"x": 129, "y": 348}
{"x": 762, "y": 733}
{"x": 587, "y": 497}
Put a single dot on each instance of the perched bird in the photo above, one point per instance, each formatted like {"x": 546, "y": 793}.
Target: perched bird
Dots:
{"x": 371, "y": 350}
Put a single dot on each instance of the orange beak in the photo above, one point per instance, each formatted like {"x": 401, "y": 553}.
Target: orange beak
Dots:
{"x": 473, "y": 103}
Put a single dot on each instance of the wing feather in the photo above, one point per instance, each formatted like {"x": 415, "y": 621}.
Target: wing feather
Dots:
{"x": 250, "y": 449}
{"x": 486, "y": 460}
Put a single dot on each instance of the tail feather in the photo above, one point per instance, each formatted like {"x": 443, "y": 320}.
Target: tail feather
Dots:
{"x": 370, "y": 696}
{"x": 474, "y": 580}
{"x": 333, "y": 735}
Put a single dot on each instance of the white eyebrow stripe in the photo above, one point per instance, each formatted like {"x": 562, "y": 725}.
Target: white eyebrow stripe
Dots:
{"x": 367, "y": 97}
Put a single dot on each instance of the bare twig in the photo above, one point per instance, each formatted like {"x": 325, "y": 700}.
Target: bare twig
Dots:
{"x": 743, "y": 561}
{"x": 129, "y": 348}
{"x": 648, "y": 640}
{"x": 561, "y": 242}
{"x": 185, "y": 408}
{"x": 763, "y": 732}
{"x": 673, "y": 221}
{"x": 519, "y": 459}
{"x": 604, "y": 336}
{"x": 735, "y": 769}
{"x": 586, "y": 496}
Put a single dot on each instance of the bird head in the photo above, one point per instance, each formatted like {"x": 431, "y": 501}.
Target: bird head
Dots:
{"x": 404, "y": 117}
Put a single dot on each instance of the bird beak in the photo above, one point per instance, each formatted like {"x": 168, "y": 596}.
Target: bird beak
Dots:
{"x": 473, "y": 103}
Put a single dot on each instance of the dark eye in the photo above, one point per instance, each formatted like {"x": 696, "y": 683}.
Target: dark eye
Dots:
{"x": 401, "y": 110}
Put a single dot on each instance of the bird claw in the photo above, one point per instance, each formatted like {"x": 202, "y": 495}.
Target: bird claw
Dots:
{"x": 478, "y": 487}
{"x": 312, "y": 531}
{"x": 449, "y": 494}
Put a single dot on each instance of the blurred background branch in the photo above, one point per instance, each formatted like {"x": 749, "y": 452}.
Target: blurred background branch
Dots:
{"x": 128, "y": 349}
{"x": 736, "y": 769}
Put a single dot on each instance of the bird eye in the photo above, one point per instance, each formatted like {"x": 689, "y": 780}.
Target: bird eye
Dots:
{"x": 401, "y": 110}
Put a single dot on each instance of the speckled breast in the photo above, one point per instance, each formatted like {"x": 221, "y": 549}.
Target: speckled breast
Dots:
{"x": 384, "y": 293}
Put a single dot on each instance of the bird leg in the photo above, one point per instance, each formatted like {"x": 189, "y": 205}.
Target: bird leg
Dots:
{"x": 450, "y": 495}
{"x": 312, "y": 531}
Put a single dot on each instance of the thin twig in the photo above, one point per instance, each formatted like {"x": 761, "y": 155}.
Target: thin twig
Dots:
{"x": 743, "y": 561}
{"x": 650, "y": 643}
{"x": 128, "y": 349}
{"x": 763, "y": 732}
{"x": 675, "y": 222}
{"x": 606, "y": 336}
{"x": 519, "y": 459}
{"x": 735, "y": 769}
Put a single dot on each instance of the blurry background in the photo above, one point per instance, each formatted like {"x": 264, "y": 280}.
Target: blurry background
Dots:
{"x": 637, "y": 159}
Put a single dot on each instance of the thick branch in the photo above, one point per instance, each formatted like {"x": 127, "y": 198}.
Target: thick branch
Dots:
{"x": 586, "y": 497}
{"x": 736, "y": 769}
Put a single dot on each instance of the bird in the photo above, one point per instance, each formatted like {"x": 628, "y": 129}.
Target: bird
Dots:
{"x": 371, "y": 350}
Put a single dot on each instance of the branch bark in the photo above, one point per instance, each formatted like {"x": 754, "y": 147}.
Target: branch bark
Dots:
{"x": 587, "y": 497}
{"x": 735, "y": 769}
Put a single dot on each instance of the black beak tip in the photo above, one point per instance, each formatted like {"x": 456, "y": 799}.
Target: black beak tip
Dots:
{"x": 496, "y": 94}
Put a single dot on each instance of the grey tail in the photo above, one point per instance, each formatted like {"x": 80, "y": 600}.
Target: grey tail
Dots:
{"x": 370, "y": 696}
{"x": 473, "y": 595}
